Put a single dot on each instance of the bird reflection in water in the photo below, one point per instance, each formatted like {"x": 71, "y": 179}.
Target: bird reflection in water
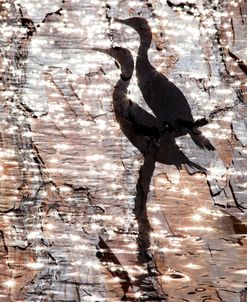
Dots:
{"x": 145, "y": 132}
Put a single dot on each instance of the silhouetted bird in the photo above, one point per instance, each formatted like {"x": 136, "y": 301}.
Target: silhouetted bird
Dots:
{"x": 139, "y": 126}
{"x": 142, "y": 130}
{"x": 136, "y": 123}
{"x": 164, "y": 98}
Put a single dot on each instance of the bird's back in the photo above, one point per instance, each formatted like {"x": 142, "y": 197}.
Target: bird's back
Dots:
{"x": 164, "y": 98}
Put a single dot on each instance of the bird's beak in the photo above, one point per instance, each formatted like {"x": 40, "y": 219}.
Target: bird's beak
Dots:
{"x": 109, "y": 51}
{"x": 102, "y": 50}
{"x": 119, "y": 20}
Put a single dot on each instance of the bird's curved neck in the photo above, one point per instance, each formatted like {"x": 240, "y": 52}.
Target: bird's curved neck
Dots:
{"x": 122, "y": 84}
{"x": 145, "y": 42}
{"x": 120, "y": 89}
{"x": 143, "y": 66}
{"x": 125, "y": 77}
{"x": 120, "y": 98}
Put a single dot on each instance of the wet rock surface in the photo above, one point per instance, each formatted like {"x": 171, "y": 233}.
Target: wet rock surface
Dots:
{"x": 70, "y": 178}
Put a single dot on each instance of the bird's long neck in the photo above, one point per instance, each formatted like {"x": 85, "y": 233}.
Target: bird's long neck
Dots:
{"x": 145, "y": 42}
{"x": 142, "y": 54}
{"x": 120, "y": 89}
{"x": 126, "y": 73}
{"x": 120, "y": 98}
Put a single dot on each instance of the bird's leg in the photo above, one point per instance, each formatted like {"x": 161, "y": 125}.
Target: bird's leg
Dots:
{"x": 142, "y": 189}
{"x": 143, "y": 184}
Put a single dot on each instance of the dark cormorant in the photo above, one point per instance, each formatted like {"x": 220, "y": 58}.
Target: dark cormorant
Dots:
{"x": 164, "y": 98}
{"x": 136, "y": 123}
{"x": 140, "y": 127}
{"x": 142, "y": 130}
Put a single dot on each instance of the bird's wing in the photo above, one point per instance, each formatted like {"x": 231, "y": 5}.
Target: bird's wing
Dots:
{"x": 168, "y": 151}
{"x": 168, "y": 101}
{"x": 145, "y": 123}
{"x": 141, "y": 142}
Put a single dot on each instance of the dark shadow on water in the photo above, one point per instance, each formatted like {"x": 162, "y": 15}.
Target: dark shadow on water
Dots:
{"x": 107, "y": 256}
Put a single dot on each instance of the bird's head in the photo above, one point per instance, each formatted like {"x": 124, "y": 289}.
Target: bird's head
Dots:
{"x": 123, "y": 56}
{"x": 137, "y": 23}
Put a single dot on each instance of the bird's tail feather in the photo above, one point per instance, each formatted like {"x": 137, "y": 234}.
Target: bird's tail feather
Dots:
{"x": 193, "y": 168}
{"x": 201, "y": 122}
{"x": 190, "y": 124}
{"x": 201, "y": 141}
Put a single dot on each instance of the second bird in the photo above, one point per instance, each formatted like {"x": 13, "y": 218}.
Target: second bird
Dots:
{"x": 165, "y": 99}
